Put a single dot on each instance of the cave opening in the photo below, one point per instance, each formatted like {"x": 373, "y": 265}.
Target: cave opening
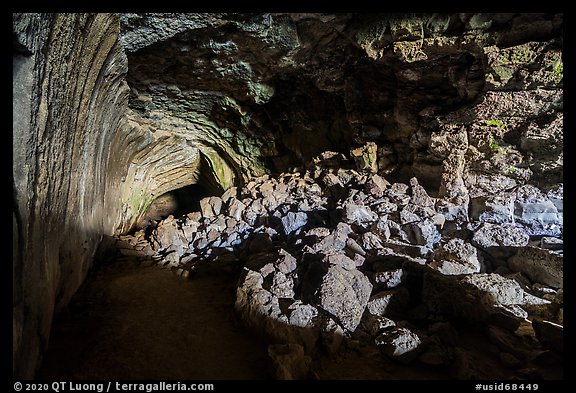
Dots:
{"x": 177, "y": 202}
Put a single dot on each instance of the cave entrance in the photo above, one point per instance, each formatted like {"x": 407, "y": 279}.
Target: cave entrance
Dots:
{"x": 177, "y": 203}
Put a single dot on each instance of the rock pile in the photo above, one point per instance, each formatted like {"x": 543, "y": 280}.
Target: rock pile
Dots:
{"x": 339, "y": 252}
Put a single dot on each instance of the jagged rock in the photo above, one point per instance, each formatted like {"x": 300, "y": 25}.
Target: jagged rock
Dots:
{"x": 455, "y": 257}
{"x": 230, "y": 193}
{"x": 344, "y": 293}
{"x": 556, "y": 195}
{"x": 236, "y": 209}
{"x": 376, "y": 185}
{"x": 210, "y": 206}
{"x": 282, "y": 286}
{"x": 354, "y": 247}
{"x": 509, "y": 317}
{"x": 399, "y": 343}
{"x": 388, "y": 302}
{"x": 340, "y": 260}
{"x": 539, "y": 265}
{"x": 533, "y": 209}
{"x": 551, "y": 243}
{"x": 496, "y": 289}
{"x": 366, "y": 157}
{"x": 424, "y": 233}
{"x": 419, "y": 195}
{"x": 497, "y": 209}
{"x": 168, "y": 234}
{"x": 376, "y": 324}
{"x": 384, "y": 206}
{"x": 371, "y": 242}
{"x": 503, "y": 235}
{"x": 294, "y": 221}
{"x": 508, "y": 342}
{"x": 285, "y": 263}
{"x": 407, "y": 249}
{"x": 388, "y": 279}
{"x": 453, "y": 210}
{"x": 436, "y": 354}
{"x": 356, "y": 214}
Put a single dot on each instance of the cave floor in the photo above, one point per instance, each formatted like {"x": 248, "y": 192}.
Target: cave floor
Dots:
{"x": 134, "y": 322}
{"x": 146, "y": 323}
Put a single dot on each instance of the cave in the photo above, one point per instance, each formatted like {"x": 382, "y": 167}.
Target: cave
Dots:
{"x": 311, "y": 196}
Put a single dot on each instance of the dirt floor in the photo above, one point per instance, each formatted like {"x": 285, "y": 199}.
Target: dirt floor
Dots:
{"x": 146, "y": 323}
{"x": 133, "y": 322}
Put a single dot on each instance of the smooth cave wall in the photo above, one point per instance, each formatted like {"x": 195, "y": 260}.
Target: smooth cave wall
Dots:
{"x": 113, "y": 111}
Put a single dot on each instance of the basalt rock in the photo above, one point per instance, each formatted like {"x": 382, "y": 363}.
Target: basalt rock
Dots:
{"x": 383, "y": 136}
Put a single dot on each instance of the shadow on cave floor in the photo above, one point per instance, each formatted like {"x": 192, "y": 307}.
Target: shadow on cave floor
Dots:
{"x": 129, "y": 321}
{"x": 134, "y": 322}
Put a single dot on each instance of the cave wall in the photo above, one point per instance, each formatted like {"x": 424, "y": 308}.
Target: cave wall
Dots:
{"x": 112, "y": 111}
{"x": 68, "y": 110}
{"x": 268, "y": 92}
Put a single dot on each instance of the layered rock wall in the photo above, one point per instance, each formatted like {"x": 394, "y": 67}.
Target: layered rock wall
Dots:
{"x": 68, "y": 109}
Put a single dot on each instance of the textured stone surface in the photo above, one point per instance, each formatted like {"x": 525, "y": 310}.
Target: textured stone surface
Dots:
{"x": 70, "y": 159}
{"x": 344, "y": 293}
{"x": 399, "y": 343}
{"x": 469, "y": 104}
{"x": 539, "y": 265}
{"x": 455, "y": 257}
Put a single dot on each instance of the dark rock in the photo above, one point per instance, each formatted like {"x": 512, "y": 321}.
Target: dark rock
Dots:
{"x": 285, "y": 263}
{"x": 210, "y": 206}
{"x": 294, "y": 221}
{"x": 455, "y": 257}
{"x": 399, "y": 343}
{"x": 419, "y": 195}
{"x": 551, "y": 335}
{"x": 388, "y": 279}
{"x": 356, "y": 214}
{"x": 390, "y": 302}
{"x": 497, "y": 209}
{"x": 376, "y": 324}
{"x": 496, "y": 289}
{"x": 539, "y": 265}
{"x": 424, "y": 233}
{"x": 260, "y": 242}
{"x": 344, "y": 293}
{"x": 503, "y": 235}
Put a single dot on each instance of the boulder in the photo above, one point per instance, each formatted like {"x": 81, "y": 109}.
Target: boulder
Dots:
{"x": 550, "y": 334}
{"x": 539, "y": 214}
{"x": 291, "y": 222}
{"x": 424, "y": 233}
{"x": 495, "y": 288}
{"x": 497, "y": 208}
{"x": 455, "y": 257}
{"x": 419, "y": 195}
{"x": 499, "y": 235}
{"x": 388, "y": 302}
{"x": 388, "y": 279}
{"x": 399, "y": 343}
{"x": 539, "y": 265}
{"x": 210, "y": 206}
{"x": 344, "y": 293}
{"x": 365, "y": 157}
{"x": 357, "y": 214}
